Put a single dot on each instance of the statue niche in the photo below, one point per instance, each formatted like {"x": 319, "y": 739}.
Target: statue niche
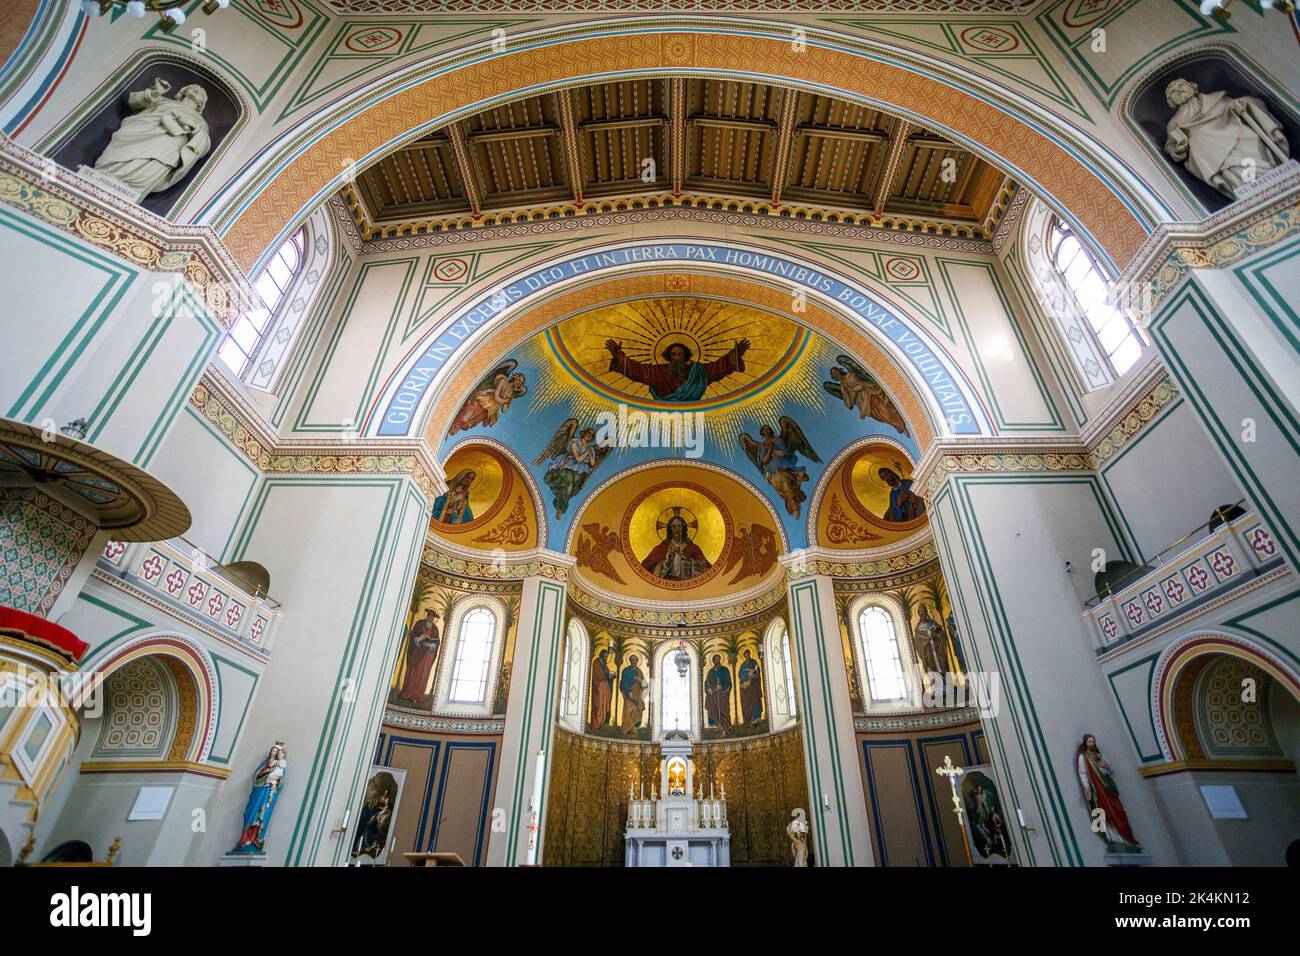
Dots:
{"x": 150, "y": 137}
{"x": 1222, "y": 133}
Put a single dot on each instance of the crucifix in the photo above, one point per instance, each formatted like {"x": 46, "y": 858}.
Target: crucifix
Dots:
{"x": 953, "y": 773}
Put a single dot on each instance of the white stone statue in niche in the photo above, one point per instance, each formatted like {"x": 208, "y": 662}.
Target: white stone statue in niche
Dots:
{"x": 1226, "y": 142}
{"x": 797, "y": 831}
{"x": 158, "y": 146}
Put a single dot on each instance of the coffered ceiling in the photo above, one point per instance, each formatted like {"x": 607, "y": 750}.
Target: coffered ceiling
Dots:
{"x": 704, "y": 142}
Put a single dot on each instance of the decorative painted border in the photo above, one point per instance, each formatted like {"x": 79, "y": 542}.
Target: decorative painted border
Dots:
{"x": 41, "y": 188}
{"x": 245, "y": 430}
{"x": 354, "y": 7}
{"x": 1127, "y": 419}
{"x": 305, "y": 168}
{"x": 948, "y": 717}
{"x": 443, "y": 725}
{"x": 631, "y": 216}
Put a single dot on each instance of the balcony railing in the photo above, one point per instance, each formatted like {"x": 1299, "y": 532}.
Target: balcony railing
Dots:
{"x": 187, "y": 579}
{"x": 1200, "y": 566}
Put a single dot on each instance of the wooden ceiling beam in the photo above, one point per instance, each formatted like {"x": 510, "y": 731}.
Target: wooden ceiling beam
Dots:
{"x": 572, "y": 150}
{"x": 468, "y": 174}
{"x": 784, "y": 138}
{"x": 836, "y": 132}
{"x": 512, "y": 133}
{"x": 893, "y": 160}
{"x": 677, "y": 131}
{"x": 733, "y": 123}
{"x": 632, "y": 122}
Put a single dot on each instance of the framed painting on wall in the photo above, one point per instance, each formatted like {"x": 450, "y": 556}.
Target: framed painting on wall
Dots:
{"x": 371, "y": 840}
{"x": 984, "y": 818}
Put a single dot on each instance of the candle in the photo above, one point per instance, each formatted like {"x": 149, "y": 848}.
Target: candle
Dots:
{"x": 539, "y": 779}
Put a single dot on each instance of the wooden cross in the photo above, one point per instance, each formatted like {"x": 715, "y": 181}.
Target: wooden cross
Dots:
{"x": 952, "y": 773}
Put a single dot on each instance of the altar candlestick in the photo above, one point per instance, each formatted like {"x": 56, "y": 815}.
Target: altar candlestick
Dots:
{"x": 539, "y": 779}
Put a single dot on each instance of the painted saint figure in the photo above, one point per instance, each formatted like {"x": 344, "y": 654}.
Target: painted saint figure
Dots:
{"x": 1101, "y": 793}
{"x": 930, "y": 643}
{"x": 676, "y": 557}
{"x": 602, "y": 689}
{"x": 1224, "y": 141}
{"x": 452, "y": 507}
{"x": 777, "y": 457}
{"x": 797, "y": 831}
{"x": 680, "y": 378}
{"x": 574, "y": 455}
{"x": 904, "y": 504}
{"x": 631, "y": 685}
{"x": 492, "y": 397}
{"x": 717, "y": 696}
{"x": 157, "y": 147}
{"x": 421, "y": 654}
{"x": 857, "y": 389}
{"x": 751, "y": 689}
{"x": 261, "y": 800}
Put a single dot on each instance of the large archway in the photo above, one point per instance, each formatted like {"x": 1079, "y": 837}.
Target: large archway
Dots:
{"x": 1093, "y": 188}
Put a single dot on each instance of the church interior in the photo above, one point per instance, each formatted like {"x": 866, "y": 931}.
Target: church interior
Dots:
{"x": 630, "y": 433}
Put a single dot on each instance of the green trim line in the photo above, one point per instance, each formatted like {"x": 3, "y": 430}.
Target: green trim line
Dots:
{"x": 945, "y": 497}
{"x": 1123, "y": 711}
{"x": 414, "y": 510}
{"x": 326, "y": 756}
{"x": 304, "y": 343}
{"x": 1003, "y": 424}
{"x": 1275, "y": 304}
{"x": 1077, "y": 51}
{"x": 217, "y": 661}
{"x": 380, "y": 349}
{"x": 548, "y": 593}
{"x": 1058, "y": 357}
{"x": 1238, "y": 622}
{"x": 809, "y": 725}
{"x": 1269, "y": 402}
{"x": 234, "y": 454}
{"x": 268, "y": 89}
{"x": 103, "y": 413}
{"x": 85, "y": 329}
{"x": 140, "y": 623}
{"x": 1146, "y": 430}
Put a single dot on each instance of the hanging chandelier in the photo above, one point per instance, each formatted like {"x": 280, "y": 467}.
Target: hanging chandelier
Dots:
{"x": 169, "y": 10}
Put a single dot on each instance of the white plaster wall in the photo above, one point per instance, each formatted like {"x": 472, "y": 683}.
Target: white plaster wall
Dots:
{"x": 1168, "y": 480}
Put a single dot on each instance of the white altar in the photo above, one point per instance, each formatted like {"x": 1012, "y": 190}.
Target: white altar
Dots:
{"x": 674, "y": 828}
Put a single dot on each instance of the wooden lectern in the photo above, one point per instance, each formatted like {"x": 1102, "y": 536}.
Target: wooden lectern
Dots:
{"x": 434, "y": 859}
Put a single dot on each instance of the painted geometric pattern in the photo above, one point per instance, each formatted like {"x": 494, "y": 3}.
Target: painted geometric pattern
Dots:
{"x": 187, "y": 582}
{"x": 1228, "y": 723}
{"x": 140, "y": 711}
{"x": 679, "y": 6}
{"x": 41, "y": 542}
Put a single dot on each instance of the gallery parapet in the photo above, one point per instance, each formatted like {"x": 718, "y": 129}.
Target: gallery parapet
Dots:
{"x": 188, "y": 579}
{"x": 1216, "y": 557}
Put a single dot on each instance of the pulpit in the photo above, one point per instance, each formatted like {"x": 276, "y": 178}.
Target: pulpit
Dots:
{"x": 678, "y": 825}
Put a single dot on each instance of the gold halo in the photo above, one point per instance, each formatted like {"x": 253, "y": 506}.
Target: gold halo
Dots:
{"x": 692, "y": 523}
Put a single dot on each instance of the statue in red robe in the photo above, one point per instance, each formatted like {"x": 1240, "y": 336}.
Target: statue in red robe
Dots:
{"x": 681, "y": 378}
{"x": 1102, "y": 794}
